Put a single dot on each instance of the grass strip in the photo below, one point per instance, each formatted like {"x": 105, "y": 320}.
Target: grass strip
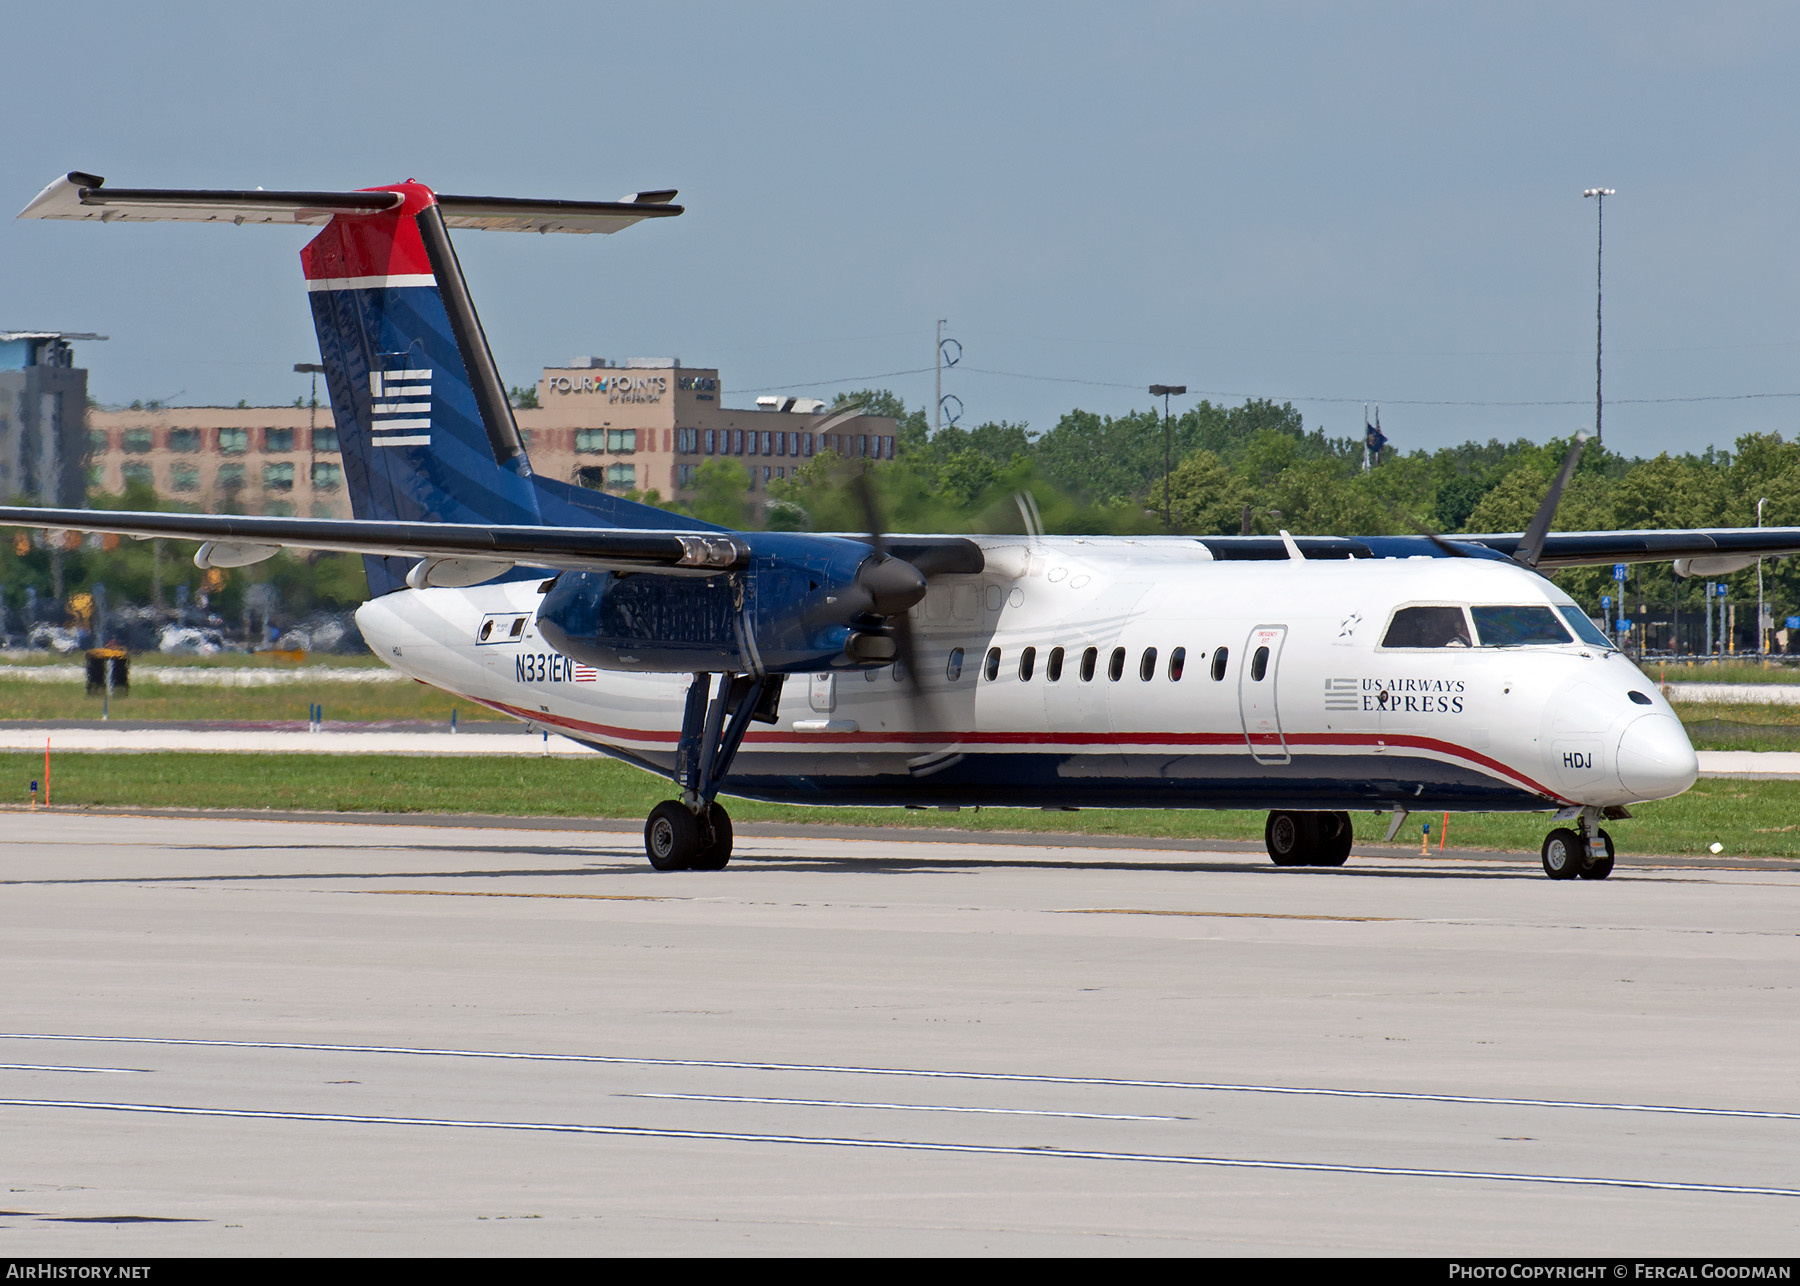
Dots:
{"x": 1750, "y": 818}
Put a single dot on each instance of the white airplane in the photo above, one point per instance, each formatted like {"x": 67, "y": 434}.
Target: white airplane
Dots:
{"x": 1309, "y": 676}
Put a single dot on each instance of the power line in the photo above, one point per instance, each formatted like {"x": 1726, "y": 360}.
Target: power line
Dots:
{"x": 1290, "y": 397}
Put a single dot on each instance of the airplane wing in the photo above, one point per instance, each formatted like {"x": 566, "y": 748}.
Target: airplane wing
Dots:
{"x": 448, "y": 553}
{"x": 84, "y": 196}
{"x": 1713, "y": 550}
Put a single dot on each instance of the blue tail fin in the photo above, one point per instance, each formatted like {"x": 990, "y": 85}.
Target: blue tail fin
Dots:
{"x": 423, "y": 421}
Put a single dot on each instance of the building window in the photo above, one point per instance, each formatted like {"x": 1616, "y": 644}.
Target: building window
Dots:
{"x": 234, "y": 441}
{"x": 767, "y": 470}
{"x": 590, "y": 439}
{"x": 98, "y": 440}
{"x": 621, "y": 475}
{"x": 184, "y": 440}
{"x": 327, "y": 477}
{"x": 710, "y": 434}
{"x": 138, "y": 471}
{"x": 325, "y": 440}
{"x": 278, "y": 477}
{"x": 185, "y": 477}
{"x": 277, "y": 440}
{"x": 279, "y": 509}
{"x": 231, "y": 477}
{"x": 621, "y": 439}
{"x": 137, "y": 441}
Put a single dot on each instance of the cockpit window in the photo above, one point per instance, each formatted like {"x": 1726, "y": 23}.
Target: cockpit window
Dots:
{"x": 1428, "y": 627}
{"x": 1518, "y": 626}
{"x": 1584, "y": 627}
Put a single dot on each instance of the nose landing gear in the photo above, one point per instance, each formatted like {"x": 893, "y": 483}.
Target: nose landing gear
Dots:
{"x": 1585, "y": 853}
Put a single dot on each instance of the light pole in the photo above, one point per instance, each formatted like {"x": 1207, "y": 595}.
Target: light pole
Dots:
{"x": 315, "y": 370}
{"x": 1165, "y": 392}
{"x": 1762, "y": 633}
{"x": 1599, "y": 195}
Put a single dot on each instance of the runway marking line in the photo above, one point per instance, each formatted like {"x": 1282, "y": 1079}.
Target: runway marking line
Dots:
{"x": 908, "y": 1145}
{"x": 1231, "y": 915}
{"x": 1028, "y": 1078}
{"x": 904, "y": 1107}
{"x": 483, "y": 893}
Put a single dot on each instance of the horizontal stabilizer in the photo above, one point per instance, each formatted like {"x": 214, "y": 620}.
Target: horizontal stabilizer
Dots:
{"x": 84, "y": 196}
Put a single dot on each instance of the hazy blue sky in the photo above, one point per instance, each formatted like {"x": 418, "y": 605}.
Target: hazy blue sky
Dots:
{"x": 1295, "y": 201}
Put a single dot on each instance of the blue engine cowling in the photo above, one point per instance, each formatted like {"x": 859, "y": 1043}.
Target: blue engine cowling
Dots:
{"x": 803, "y": 603}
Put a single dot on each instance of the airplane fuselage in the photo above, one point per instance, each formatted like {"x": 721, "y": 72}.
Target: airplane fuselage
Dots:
{"x": 1117, "y": 672}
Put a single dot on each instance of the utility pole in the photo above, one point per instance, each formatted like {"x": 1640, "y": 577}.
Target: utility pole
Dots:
{"x": 1599, "y": 195}
{"x": 1165, "y": 392}
{"x": 1762, "y": 620}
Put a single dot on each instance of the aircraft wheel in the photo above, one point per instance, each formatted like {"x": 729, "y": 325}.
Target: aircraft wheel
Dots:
{"x": 672, "y": 837}
{"x": 1291, "y": 838}
{"x": 1600, "y": 867}
{"x": 1562, "y": 854}
{"x": 1335, "y": 835}
{"x": 717, "y": 851}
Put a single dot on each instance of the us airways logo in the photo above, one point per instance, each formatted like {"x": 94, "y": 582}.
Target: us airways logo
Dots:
{"x": 1402, "y": 696}
{"x": 400, "y": 407}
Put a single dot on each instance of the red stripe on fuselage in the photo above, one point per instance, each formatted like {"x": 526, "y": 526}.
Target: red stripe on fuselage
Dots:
{"x": 1149, "y": 740}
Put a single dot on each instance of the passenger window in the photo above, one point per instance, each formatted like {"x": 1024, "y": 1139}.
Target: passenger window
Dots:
{"x": 1177, "y": 661}
{"x": 1053, "y": 670}
{"x": 993, "y": 664}
{"x": 1428, "y": 627}
{"x": 953, "y": 671}
{"x": 1259, "y": 665}
{"x": 1147, "y": 666}
{"x": 1115, "y": 668}
{"x": 1219, "y": 659}
{"x": 1088, "y": 658}
{"x": 1027, "y": 663}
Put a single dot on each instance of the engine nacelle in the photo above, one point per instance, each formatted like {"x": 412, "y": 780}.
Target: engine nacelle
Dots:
{"x": 801, "y": 606}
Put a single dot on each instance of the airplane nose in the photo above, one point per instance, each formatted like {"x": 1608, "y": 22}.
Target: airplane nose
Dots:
{"x": 1655, "y": 758}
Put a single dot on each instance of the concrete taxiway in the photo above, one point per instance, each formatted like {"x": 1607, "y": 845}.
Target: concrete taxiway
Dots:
{"x": 244, "y": 1036}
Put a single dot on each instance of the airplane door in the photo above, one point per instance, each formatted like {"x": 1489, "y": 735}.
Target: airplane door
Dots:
{"x": 1257, "y": 692}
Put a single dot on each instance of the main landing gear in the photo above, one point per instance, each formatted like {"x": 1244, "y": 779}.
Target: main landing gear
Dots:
{"x": 693, "y": 833}
{"x": 1308, "y": 839}
{"x": 1585, "y": 852}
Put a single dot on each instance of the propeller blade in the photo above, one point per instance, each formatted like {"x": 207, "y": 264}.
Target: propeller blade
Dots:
{"x": 1531, "y": 548}
{"x": 1455, "y": 551}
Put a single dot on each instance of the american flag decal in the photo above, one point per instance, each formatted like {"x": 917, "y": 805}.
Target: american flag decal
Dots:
{"x": 585, "y": 673}
{"x": 1341, "y": 694}
{"x": 400, "y": 407}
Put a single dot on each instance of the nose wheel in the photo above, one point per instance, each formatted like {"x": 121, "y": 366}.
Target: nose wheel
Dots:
{"x": 1568, "y": 855}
